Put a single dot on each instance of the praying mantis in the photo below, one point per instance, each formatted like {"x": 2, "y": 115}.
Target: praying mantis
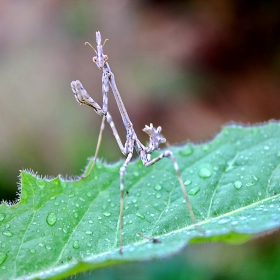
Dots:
{"x": 132, "y": 142}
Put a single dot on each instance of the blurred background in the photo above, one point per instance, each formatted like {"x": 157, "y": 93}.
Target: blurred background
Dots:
{"x": 189, "y": 66}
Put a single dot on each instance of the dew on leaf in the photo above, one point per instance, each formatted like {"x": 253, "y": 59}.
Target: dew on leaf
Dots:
{"x": 3, "y": 257}
{"x": 187, "y": 182}
{"x": 32, "y": 251}
{"x": 223, "y": 221}
{"x": 237, "y": 184}
{"x": 88, "y": 232}
{"x": 249, "y": 184}
{"x": 24, "y": 194}
{"x": 2, "y": 217}
{"x": 205, "y": 147}
{"x": 51, "y": 219}
{"x": 140, "y": 215}
{"x": 76, "y": 244}
{"x": 158, "y": 187}
{"x": 107, "y": 214}
{"x": 194, "y": 191}
{"x": 205, "y": 172}
{"x": 158, "y": 195}
{"x": 136, "y": 174}
{"x": 187, "y": 150}
{"x": 7, "y": 233}
{"x": 41, "y": 183}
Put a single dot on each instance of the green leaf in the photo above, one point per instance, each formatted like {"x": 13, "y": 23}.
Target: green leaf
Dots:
{"x": 61, "y": 227}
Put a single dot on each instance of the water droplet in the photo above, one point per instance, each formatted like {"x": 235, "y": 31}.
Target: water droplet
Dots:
{"x": 237, "y": 185}
{"x": 194, "y": 191}
{"x": 140, "y": 215}
{"x": 2, "y": 217}
{"x": 107, "y": 214}
{"x": 223, "y": 221}
{"x": 187, "y": 182}
{"x": 32, "y": 251}
{"x": 187, "y": 150}
{"x": 249, "y": 184}
{"x": 205, "y": 172}
{"x": 76, "y": 244}
{"x": 3, "y": 257}
{"x": 88, "y": 194}
{"x": 158, "y": 195}
{"x": 266, "y": 148}
{"x": 7, "y": 233}
{"x": 98, "y": 164}
{"x": 48, "y": 247}
{"x": 51, "y": 219}
{"x": 41, "y": 183}
{"x": 136, "y": 174}
{"x": 205, "y": 147}
{"x": 158, "y": 187}
{"x": 138, "y": 194}
{"x": 24, "y": 194}
{"x": 88, "y": 232}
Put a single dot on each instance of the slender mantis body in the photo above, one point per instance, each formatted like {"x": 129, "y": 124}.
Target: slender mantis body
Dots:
{"x": 132, "y": 142}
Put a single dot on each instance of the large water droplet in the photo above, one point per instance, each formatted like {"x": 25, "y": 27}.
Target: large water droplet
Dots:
{"x": 194, "y": 191}
{"x": 223, "y": 221}
{"x": 158, "y": 195}
{"x": 136, "y": 174}
{"x": 41, "y": 183}
{"x": 205, "y": 147}
{"x": 158, "y": 187}
{"x": 237, "y": 184}
{"x": 107, "y": 214}
{"x": 51, "y": 219}
{"x": 24, "y": 194}
{"x": 76, "y": 244}
{"x": 3, "y": 257}
{"x": 187, "y": 150}
{"x": 205, "y": 172}
{"x": 187, "y": 182}
{"x": 2, "y": 217}
{"x": 7, "y": 233}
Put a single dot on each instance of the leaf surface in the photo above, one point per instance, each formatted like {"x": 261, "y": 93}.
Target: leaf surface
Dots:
{"x": 62, "y": 227}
